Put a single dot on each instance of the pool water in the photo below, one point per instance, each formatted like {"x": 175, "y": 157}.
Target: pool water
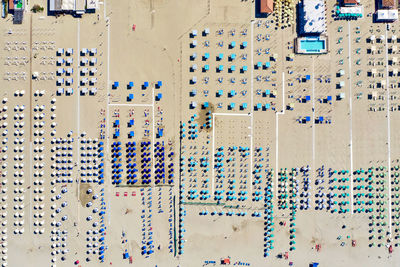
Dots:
{"x": 312, "y": 45}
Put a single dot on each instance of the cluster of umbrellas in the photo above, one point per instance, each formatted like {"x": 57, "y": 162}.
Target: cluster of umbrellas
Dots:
{"x": 170, "y": 219}
{"x": 268, "y": 212}
{"x": 159, "y": 154}
{"x": 181, "y": 229}
{"x": 92, "y": 166}
{"x": 258, "y": 166}
{"x": 284, "y": 13}
{"x": 59, "y": 221}
{"x": 96, "y": 235}
{"x": 116, "y": 168}
{"x": 18, "y": 180}
{"x": 145, "y": 159}
{"x": 283, "y": 189}
{"x": 131, "y": 166}
{"x": 147, "y": 247}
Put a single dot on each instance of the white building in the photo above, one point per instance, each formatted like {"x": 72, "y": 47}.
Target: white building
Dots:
{"x": 72, "y": 6}
{"x": 312, "y": 16}
{"x": 387, "y": 15}
{"x": 352, "y": 10}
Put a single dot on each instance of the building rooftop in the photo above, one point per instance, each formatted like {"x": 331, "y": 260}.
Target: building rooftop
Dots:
{"x": 68, "y": 5}
{"x": 266, "y": 6}
{"x": 91, "y": 4}
{"x": 10, "y": 4}
{"x": 351, "y": 2}
{"x": 388, "y": 3}
{"x": 55, "y": 5}
{"x": 18, "y": 16}
{"x": 312, "y": 16}
{"x": 387, "y": 15}
{"x": 76, "y": 6}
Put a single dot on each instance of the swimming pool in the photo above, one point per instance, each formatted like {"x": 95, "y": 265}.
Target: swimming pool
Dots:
{"x": 312, "y": 45}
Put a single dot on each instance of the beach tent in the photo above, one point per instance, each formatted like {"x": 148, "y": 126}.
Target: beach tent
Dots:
{"x": 93, "y": 90}
{"x": 372, "y": 38}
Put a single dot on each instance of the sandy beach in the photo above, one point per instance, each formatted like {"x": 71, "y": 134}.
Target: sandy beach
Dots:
{"x": 191, "y": 133}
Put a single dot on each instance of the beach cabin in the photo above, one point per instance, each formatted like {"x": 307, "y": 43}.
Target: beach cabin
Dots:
{"x": 193, "y": 33}
{"x": 60, "y": 52}
{"x": 70, "y": 71}
{"x": 93, "y": 61}
{"x": 193, "y": 93}
{"x": 60, "y": 71}
{"x": 84, "y": 71}
{"x": 115, "y": 85}
{"x": 93, "y": 91}
{"x": 193, "y": 104}
{"x": 84, "y": 81}
{"x": 84, "y": 61}
{"x": 60, "y": 91}
{"x": 84, "y": 91}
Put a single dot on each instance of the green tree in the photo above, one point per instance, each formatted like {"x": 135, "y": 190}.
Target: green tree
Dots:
{"x": 37, "y": 8}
